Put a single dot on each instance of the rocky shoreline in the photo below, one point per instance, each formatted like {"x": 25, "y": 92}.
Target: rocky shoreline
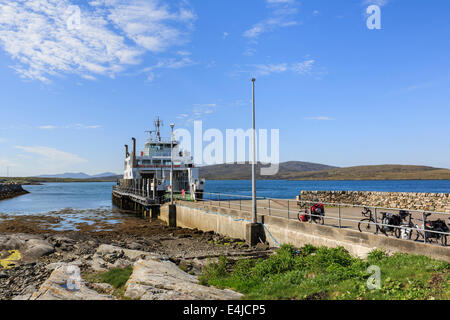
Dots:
{"x": 165, "y": 262}
{"x": 11, "y": 190}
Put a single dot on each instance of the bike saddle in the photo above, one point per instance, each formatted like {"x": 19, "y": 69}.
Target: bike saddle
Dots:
{"x": 427, "y": 214}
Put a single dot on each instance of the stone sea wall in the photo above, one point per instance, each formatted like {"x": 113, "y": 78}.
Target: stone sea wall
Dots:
{"x": 10, "y": 190}
{"x": 403, "y": 200}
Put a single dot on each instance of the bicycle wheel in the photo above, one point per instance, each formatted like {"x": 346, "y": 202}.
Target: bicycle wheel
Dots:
{"x": 367, "y": 225}
{"x": 398, "y": 232}
{"x": 318, "y": 220}
{"x": 299, "y": 216}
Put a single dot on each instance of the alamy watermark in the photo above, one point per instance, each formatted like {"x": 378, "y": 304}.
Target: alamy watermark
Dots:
{"x": 374, "y": 281}
{"x": 74, "y": 280}
{"x": 374, "y": 20}
{"x": 73, "y": 17}
{"x": 234, "y": 146}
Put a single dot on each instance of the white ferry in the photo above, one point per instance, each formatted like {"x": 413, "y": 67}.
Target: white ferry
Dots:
{"x": 154, "y": 164}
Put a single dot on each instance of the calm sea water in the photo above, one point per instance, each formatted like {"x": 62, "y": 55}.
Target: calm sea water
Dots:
{"x": 82, "y": 196}
{"x": 290, "y": 189}
{"x": 58, "y": 196}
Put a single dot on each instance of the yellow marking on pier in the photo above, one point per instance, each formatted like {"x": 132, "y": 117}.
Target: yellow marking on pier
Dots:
{"x": 10, "y": 262}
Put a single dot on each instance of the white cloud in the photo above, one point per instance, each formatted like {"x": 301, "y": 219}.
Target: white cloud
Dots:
{"x": 301, "y": 68}
{"x": 71, "y": 126}
{"x": 240, "y": 103}
{"x": 47, "y": 127}
{"x": 320, "y": 118}
{"x": 304, "y": 67}
{"x": 148, "y": 22}
{"x": 205, "y": 105}
{"x": 420, "y": 86}
{"x": 283, "y": 14}
{"x": 267, "y": 69}
{"x": 52, "y": 155}
{"x": 280, "y": 1}
{"x": 182, "y": 116}
{"x": 170, "y": 63}
{"x": 2, "y": 140}
{"x": 184, "y": 53}
{"x": 249, "y": 52}
{"x": 379, "y": 3}
{"x": 112, "y": 35}
{"x": 199, "y": 111}
{"x": 82, "y": 126}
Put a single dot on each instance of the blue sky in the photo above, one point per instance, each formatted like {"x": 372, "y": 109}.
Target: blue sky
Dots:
{"x": 340, "y": 94}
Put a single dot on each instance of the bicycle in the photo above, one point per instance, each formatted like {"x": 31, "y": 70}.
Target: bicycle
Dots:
{"x": 307, "y": 215}
{"x": 407, "y": 230}
{"x": 430, "y": 226}
{"x": 368, "y": 223}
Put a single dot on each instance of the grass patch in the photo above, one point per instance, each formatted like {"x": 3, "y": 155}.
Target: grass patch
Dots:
{"x": 116, "y": 277}
{"x": 330, "y": 273}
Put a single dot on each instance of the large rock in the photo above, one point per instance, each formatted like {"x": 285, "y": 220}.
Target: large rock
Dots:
{"x": 36, "y": 248}
{"x": 10, "y": 190}
{"x": 155, "y": 279}
{"x": 107, "y": 257}
{"x": 65, "y": 283}
{"x": 16, "y": 241}
{"x": 29, "y": 247}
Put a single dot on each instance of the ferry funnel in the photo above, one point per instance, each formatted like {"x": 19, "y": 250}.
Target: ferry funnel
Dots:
{"x": 134, "y": 151}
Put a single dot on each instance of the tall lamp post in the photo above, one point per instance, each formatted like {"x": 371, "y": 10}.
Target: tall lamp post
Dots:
{"x": 254, "y": 231}
{"x": 171, "y": 163}
{"x": 254, "y": 209}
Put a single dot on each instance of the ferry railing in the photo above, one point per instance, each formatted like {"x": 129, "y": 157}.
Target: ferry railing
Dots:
{"x": 344, "y": 216}
{"x": 144, "y": 193}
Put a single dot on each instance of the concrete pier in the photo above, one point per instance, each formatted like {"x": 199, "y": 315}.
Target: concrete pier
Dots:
{"x": 271, "y": 228}
{"x": 277, "y": 231}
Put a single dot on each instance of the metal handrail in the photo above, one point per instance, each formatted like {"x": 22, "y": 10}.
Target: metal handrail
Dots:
{"x": 340, "y": 218}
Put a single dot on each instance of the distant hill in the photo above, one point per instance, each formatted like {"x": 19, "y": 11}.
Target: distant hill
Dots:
{"x": 243, "y": 171}
{"x": 67, "y": 175}
{"x": 108, "y": 178}
{"x": 79, "y": 175}
{"x": 292, "y": 170}
{"x": 376, "y": 172}
{"x": 297, "y": 170}
{"x": 104, "y": 175}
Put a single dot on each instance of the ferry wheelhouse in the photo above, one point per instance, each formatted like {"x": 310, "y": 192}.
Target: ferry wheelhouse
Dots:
{"x": 155, "y": 163}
